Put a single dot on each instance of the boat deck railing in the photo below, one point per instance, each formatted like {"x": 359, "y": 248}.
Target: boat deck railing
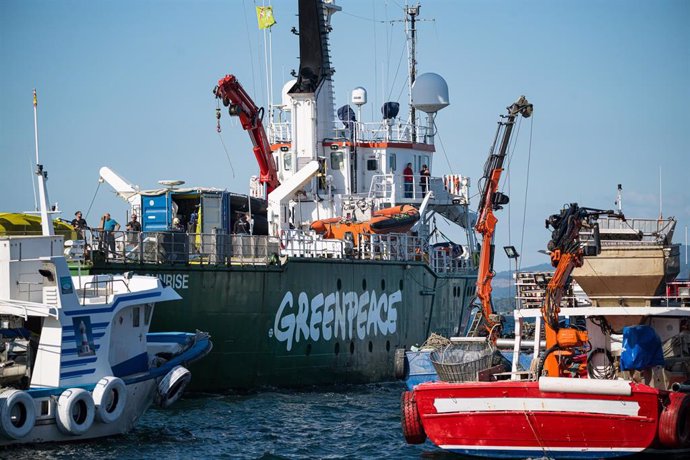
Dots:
{"x": 382, "y": 131}
{"x": 241, "y": 249}
{"x": 100, "y": 288}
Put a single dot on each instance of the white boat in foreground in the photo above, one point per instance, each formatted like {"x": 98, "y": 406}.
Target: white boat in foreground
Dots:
{"x": 76, "y": 359}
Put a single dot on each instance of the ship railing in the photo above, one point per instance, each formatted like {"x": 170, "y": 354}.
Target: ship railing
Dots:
{"x": 385, "y": 188}
{"x": 216, "y": 248}
{"x": 298, "y": 243}
{"x": 382, "y": 131}
{"x": 444, "y": 260}
{"x": 635, "y": 230}
{"x": 279, "y": 133}
{"x": 390, "y": 246}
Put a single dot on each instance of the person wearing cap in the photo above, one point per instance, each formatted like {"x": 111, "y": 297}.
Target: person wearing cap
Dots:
{"x": 79, "y": 224}
{"x": 133, "y": 227}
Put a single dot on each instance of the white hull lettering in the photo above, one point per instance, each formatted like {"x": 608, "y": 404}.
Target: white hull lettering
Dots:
{"x": 335, "y": 316}
{"x": 175, "y": 281}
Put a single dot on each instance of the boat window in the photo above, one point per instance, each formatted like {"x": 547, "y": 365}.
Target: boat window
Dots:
{"x": 336, "y": 159}
{"x": 372, "y": 165}
{"x": 287, "y": 161}
{"x": 136, "y": 312}
{"x": 148, "y": 312}
{"x": 392, "y": 165}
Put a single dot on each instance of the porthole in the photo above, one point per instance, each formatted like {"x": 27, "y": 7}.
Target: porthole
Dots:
{"x": 364, "y": 284}
{"x": 388, "y": 345}
{"x": 401, "y": 285}
{"x": 352, "y": 347}
{"x": 340, "y": 284}
{"x": 337, "y": 348}
{"x": 308, "y": 352}
{"x": 371, "y": 346}
{"x": 383, "y": 285}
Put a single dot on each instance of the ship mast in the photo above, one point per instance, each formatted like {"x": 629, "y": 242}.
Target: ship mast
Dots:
{"x": 46, "y": 224}
{"x": 411, "y": 32}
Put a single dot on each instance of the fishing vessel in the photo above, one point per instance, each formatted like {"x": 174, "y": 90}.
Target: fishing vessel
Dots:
{"x": 77, "y": 360}
{"x": 611, "y": 378}
{"x": 342, "y": 263}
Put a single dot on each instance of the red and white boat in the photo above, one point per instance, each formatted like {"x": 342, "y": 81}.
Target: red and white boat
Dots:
{"x": 599, "y": 391}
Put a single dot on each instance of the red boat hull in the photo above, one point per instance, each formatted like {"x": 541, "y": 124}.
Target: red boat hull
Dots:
{"x": 515, "y": 419}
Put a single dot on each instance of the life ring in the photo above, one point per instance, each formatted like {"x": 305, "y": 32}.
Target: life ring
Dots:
{"x": 413, "y": 431}
{"x": 674, "y": 422}
{"x": 399, "y": 363}
{"x": 17, "y": 414}
{"x": 172, "y": 386}
{"x": 75, "y": 411}
{"x": 110, "y": 399}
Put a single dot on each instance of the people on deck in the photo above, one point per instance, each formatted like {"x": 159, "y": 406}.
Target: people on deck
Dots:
{"x": 242, "y": 225}
{"x": 177, "y": 225}
{"x": 408, "y": 179}
{"x": 80, "y": 226}
{"x": 109, "y": 225}
{"x": 424, "y": 175}
{"x": 133, "y": 228}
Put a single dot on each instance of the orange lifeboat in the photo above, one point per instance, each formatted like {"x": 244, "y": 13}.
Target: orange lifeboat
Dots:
{"x": 398, "y": 219}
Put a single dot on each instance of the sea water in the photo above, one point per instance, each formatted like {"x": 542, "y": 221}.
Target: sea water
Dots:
{"x": 348, "y": 422}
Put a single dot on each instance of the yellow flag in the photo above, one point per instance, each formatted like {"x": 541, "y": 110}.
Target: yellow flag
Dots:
{"x": 264, "y": 14}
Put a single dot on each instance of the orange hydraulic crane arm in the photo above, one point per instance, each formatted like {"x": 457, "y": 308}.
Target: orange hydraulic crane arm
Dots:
{"x": 491, "y": 200}
{"x": 566, "y": 254}
{"x": 240, "y": 104}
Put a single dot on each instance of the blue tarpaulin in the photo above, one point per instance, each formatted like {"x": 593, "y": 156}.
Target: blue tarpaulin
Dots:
{"x": 641, "y": 348}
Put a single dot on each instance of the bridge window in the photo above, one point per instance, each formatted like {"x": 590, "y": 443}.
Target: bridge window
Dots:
{"x": 372, "y": 165}
{"x": 336, "y": 160}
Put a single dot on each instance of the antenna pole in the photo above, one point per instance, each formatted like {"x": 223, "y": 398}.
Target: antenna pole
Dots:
{"x": 46, "y": 224}
{"x": 412, "y": 13}
{"x": 661, "y": 214}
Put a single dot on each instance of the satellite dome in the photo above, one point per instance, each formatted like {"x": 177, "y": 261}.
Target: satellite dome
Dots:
{"x": 286, "y": 100}
{"x": 430, "y": 93}
{"x": 359, "y": 96}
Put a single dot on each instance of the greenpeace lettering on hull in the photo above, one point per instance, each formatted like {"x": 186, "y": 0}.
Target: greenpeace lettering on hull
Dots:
{"x": 337, "y": 315}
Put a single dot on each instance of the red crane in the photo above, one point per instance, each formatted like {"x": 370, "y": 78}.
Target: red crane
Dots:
{"x": 491, "y": 200}
{"x": 240, "y": 104}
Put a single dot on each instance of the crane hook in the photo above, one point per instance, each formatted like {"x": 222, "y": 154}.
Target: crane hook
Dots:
{"x": 218, "y": 119}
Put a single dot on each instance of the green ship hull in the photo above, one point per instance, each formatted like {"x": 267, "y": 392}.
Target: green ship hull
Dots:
{"x": 309, "y": 321}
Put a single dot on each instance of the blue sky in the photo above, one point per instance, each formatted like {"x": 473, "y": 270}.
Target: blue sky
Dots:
{"x": 127, "y": 84}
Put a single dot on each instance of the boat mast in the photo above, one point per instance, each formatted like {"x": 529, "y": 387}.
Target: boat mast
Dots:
{"x": 411, "y": 32}
{"x": 46, "y": 224}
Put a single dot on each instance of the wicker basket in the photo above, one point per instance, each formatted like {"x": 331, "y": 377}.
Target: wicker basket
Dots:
{"x": 460, "y": 362}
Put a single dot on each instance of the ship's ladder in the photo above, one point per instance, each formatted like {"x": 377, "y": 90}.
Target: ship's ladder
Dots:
{"x": 475, "y": 325}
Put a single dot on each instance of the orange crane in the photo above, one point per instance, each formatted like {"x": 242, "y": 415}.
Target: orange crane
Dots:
{"x": 492, "y": 200}
{"x": 239, "y": 103}
{"x": 566, "y": 252}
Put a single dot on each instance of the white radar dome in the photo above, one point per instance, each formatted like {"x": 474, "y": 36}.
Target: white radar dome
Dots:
{"x": 359, "y": 96}
{"x": 285, "y": 99}
{"x": 430, "y": 93}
